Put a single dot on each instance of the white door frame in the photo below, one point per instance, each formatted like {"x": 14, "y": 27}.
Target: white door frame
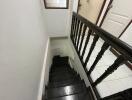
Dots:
{"x": 103, "y": 11}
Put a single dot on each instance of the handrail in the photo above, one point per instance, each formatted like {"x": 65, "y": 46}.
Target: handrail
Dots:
{"x": 123, "y": 47}
{"x": 78, "y": 32}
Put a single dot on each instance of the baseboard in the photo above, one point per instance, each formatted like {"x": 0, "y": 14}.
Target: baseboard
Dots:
{"x": 42, "y": 83}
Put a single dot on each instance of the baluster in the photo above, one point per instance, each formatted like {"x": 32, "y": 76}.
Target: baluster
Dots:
{"x": 99, "y": 56}
{"x": 86, "y": 43}
{"x": 82, "y": 38}
{"x": 110, "y": 70}
{"x": 80, "y": 31}
{"x": 72, "y": 26}
{"x": 77, "y": 29}
{"x": 96, "y": 37}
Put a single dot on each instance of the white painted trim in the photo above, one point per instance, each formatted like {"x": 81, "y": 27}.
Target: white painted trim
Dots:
{"x": 103, "y": 12}
{"x": 41, "y": 85}
{"x": 79, "y": 68}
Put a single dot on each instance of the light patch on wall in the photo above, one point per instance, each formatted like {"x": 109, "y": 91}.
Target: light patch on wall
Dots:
{"x": 56, "y": 4}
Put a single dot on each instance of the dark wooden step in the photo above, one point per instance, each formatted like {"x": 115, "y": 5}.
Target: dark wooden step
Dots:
{"x": 61, "y": 72}
{"x": 61, "y": 78}
{"x": 64, "y": 64}
{"x": 65, "y": 82}
{"x": 64, "y": 91}
{"x": 57, "y": 60}
{"x": 62, "y": 84}
{"x": 81, "y": 96}
{"x": 64, "y": 79}
{"x": 60, "y": 68}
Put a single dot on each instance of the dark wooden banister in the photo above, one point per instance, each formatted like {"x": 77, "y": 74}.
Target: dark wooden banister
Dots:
{"x": 79, "y": 27}
{"x": 118, "y": 44}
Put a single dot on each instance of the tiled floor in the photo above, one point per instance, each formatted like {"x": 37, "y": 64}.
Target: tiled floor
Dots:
{"x": 119, "y": 80}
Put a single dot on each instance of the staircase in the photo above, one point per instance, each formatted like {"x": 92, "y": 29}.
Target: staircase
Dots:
{"x": 92, "y": 54}
{"x": 65, "y": 83}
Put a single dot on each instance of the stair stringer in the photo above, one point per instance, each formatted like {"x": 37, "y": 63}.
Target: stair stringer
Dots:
{"x": 76, "y": 64}
{"x": 45, "y": 71}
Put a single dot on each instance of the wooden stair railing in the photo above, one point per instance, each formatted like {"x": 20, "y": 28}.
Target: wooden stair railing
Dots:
{"x": 78, "y": 32}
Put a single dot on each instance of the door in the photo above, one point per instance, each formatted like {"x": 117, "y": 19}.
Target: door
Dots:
{"x": 127, "y": 35}
{"x": 118, "y": 17}
{"x": 90, "y": 9}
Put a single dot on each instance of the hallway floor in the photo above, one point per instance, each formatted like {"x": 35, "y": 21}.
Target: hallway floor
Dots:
{"x": 65, "y": 83}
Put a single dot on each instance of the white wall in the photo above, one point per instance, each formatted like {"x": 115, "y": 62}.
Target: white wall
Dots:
{"x": 61, "y": 46}
{"x": 58, "y": 21}
{"x": 22, "y": 45}
{"x": 75, "y": 5}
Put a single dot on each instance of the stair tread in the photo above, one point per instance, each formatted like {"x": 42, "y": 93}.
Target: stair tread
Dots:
{"x": 61, "y": 69}
{"x": 64, "y": 76}
{"x": 57, "y": 60}
{"x": 62, "y": 72}
{"x": 64, "y": 79}
{"x": 64, "y": 84}
{"x": 62, "y": 65}
{"x": 61, "y": 78}
{"x": 79, "y": 96}
{"x": 66, "y": 90}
